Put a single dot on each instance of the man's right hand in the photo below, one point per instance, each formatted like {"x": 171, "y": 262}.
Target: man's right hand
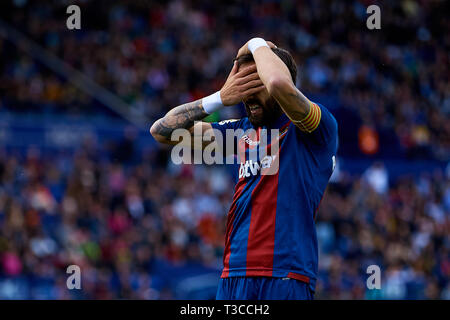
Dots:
{"x": 240, "y": 84}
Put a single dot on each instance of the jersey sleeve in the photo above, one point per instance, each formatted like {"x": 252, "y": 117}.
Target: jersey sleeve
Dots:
{"x": 319, "y": 125}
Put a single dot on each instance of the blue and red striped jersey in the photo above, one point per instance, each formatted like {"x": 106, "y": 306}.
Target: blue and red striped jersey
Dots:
{"x": 271, "y": 222}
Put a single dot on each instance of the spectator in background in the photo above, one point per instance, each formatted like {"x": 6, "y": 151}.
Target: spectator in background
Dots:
{"x": 377, "y": 177}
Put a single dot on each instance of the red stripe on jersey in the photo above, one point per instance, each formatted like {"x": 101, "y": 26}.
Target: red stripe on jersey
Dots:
{"x": 285, "y": 125}
{"x": 261, "y": 236}
{"x": 230, "y": 219}
{"x": 298, "y": 276}
{"x": 258, "y": 273}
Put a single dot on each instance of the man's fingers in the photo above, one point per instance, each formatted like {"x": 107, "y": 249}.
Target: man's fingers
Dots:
{"x": 247, "y": 78}
{"x": 254, "y": 90}
{"x": 234, "y": 70}
{"x": 271, "y": 44}
{"x": 252, "y": 84}
{"x": 246, "y": 71}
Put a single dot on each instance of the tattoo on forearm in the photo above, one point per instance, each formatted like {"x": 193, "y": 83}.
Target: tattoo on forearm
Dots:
{"x": 301, "y": 112}
{"x": 182, "y": 116}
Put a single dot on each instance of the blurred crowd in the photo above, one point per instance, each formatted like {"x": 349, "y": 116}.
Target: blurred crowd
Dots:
{"x": 401, "y": 227}
{"x": 129, "y": 218}
{"x": 122, "y": 224}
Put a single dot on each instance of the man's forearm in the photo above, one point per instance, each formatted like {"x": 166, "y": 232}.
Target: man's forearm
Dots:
{"x": 271, "y": 69}
{"x": 181, "y": 117}
{"x": 276, "y": 77}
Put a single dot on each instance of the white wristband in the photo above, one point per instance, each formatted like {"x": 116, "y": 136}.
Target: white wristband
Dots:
{"x": 255, "y": 43}
{"x": 212, "y": 103}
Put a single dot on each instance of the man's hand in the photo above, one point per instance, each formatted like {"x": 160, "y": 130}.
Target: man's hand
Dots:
{"x": 244, "y": 49}
{"x": 240, "y": 84}
{"x": 277, "y": 79}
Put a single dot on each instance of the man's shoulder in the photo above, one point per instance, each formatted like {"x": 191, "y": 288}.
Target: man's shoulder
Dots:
{"x": 327, "y": 111}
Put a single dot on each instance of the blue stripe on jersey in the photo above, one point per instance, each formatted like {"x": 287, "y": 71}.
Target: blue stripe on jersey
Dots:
{"x": 241, "y": 223}
{"x": 241, "y": 226}
{"x": 285, "y": 218}
{"x": 290, "y": 227}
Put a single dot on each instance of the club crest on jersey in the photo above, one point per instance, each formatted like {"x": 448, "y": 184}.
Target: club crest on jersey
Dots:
{"x": 253, "y": 168}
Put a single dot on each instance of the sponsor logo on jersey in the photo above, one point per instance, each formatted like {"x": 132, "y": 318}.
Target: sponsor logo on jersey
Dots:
{"x": 252, "y": 168}
{"x": 249, "y": 141}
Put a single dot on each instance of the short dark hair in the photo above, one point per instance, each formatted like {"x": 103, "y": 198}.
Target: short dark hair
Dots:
{"x": 283, "y": 54}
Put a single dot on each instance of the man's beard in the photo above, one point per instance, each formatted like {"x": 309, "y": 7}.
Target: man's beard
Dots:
{"x": 271, "y": 111}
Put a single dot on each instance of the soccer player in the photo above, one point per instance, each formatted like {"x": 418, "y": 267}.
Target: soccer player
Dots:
{"x": 271, "y": 246}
